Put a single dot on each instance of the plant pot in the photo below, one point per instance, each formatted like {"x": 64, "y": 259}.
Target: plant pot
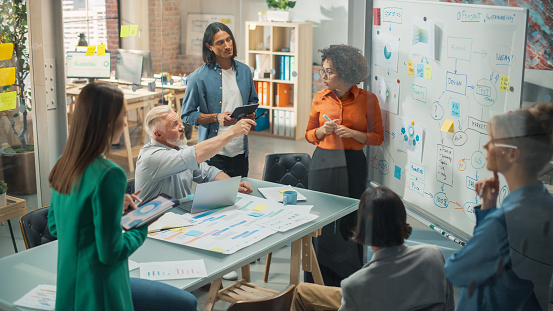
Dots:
{"x": 279, "y": 16}
{"x": 19, "y": 173}
{"x": 3, "y": 199}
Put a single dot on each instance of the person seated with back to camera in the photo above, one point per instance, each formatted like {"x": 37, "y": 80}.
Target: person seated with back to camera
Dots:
{"x": 398, "y": 277}
{"x": 168, "y": 165}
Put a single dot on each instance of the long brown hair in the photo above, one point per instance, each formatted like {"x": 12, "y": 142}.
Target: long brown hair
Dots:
{"x": 96, "y": 111}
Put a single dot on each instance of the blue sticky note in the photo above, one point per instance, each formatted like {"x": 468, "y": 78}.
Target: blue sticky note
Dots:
{"x": 256, "y": 214}
{"x": 397, "y": 172}
{"x": 455, "y": 109}
{"x": 420, "y": 70}
{"x": 193, "y": 233}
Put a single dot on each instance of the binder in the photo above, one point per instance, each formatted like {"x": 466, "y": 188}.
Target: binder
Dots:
{"x": 283, "y": 95}
{"x": 288, "y": 123}
{"x": 281, "y": 122}
{"x": 282, "y": 62}
{"x": 275, "y": 122}
{"x": 260, "y": 93}
{"x": 265, "y": 93}
{"x": 292, "y": 68}
{"x": 287, "y": 68}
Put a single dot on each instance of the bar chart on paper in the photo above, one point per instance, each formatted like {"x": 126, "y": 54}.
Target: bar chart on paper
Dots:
{"x": 171, "y": 270}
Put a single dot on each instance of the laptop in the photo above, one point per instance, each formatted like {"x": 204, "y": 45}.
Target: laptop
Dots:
{"x": 212, "y": 195}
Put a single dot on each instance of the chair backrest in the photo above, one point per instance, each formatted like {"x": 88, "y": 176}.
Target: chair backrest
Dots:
{"x": 287, "y": 168}
{"x": 278, "y": 302}
{"x": 130, "y": 186}
{"x": 34, "y": 227}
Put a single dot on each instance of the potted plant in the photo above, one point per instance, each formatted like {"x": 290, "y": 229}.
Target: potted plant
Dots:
{"x": 279, "y": 10}
{"x": 3, "y": 190}
{"x": 18, "y": 161}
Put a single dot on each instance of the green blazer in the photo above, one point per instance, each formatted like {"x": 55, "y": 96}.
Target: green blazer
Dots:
{"x": 93, "y": 271}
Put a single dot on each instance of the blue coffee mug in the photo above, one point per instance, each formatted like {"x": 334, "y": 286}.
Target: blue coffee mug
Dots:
{"x": 290, "y": 197}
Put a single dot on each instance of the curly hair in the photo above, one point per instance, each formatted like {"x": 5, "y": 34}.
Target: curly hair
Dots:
{"x": 348, "y": 61}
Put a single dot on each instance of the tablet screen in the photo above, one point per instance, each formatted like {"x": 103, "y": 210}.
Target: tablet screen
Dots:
{"x": 242, "y": 111}
{"x": 147, "y": 211}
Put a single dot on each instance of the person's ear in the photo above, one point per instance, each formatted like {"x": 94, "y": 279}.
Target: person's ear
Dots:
{"x": 157, "y": 133}
{"x": 208, "y": 47}
{"x": 513, "y": 155}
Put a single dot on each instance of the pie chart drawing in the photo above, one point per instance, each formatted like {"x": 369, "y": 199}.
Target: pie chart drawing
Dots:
{"x": 387, "y": 51}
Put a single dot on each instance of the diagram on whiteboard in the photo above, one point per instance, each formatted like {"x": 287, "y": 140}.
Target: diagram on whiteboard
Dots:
{"x": 457, "y": 66}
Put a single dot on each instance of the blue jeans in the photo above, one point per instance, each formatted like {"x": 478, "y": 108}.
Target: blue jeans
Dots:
{"x": 157, "y": 296}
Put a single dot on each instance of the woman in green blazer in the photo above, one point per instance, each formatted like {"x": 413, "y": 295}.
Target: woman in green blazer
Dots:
{"x": 88, "y": 199}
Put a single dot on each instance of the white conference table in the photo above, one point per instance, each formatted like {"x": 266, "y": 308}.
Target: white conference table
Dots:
{"x": 23, "y": 271}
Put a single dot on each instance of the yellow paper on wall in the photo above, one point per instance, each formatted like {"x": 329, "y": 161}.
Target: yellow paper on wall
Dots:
{"x": 133, "y": 30}
{"x": 447, "y": 126}
{"x": 428, "y": 72}
{"x": 101, "y": 51}
{"x": 124, "y": 31}
{"x": 90, "y": 50}
{"x": 504, "y": 84}
{"x": 8, "y": 100}
{"x": 6, "y": 51}
{"x": 411, "y": 68}
{"x": 7, "y": 76}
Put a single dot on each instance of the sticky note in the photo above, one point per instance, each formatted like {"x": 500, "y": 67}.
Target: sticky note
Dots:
{"x": 218, "y": 250}
{"x": 252, "y": 26}
{"x": 101, "y": 51}
{"x": 193, "y": 233}
{"x": 455, "y": 109}
{"x": 260, "y": 207}
{"x": 411, "y": 68}
{"x": 133, "y": 30}
{"x": 90, "y": 50}
{"x": 7, "y": 76}
{"x": 447, "y": 126}
{"x": 420, "y": 70}
{"x": 397, "y": 172}
{"x": 504, "y": 84}
{"x": 255, "y": 214}
{"x": 428, "y": 72}
{"x": 6, "y": 51}
{"x": 124, "y": 31}
{"x": 8, "y": 100}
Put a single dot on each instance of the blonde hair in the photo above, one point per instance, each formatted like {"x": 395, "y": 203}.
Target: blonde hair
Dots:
{"x": 154, "y": 119}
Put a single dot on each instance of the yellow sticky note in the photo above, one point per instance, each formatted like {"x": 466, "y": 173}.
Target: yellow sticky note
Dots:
{"x": 252, "y": 26}
{"x": 260, "y": 207}
{"x": 101, "y": 51}
{"x": 133, "y": 30}
{"x": 90, "y": 50}
{"x": 124, "y": 31}
{"x": 447, "y": 126}
{"x": 218, "y": 250}
{"x": 428, "y": 72}
{"x": 411, "y": 68}
{"x": 504, "y": 84}
{"x": 7, "y": 76}
{"x": 8, "y": 100}
{"x": 6, "y": 51}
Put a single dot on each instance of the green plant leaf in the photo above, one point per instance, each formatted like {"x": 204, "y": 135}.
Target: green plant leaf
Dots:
{"x": 15, "y": 115}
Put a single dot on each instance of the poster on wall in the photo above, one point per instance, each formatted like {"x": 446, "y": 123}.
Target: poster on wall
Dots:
{"x": 196, "y": 25}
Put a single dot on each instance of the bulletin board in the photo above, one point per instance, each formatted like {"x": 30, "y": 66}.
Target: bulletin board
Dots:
{"x": 441, "y": 71}
{"x": 195, "y": 27}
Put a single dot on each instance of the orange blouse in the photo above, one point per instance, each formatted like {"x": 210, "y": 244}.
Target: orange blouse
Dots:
{"x": 358, "y": 110}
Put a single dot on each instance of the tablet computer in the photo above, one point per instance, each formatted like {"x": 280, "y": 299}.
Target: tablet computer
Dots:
{"x": 147, "y": 211}
{"x": 242, "y": 111}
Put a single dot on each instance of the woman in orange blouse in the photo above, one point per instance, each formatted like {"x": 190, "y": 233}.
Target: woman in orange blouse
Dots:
{"x": 342, "y": 121}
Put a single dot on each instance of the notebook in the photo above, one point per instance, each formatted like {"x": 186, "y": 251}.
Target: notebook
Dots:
{"x": 212, "y": 195}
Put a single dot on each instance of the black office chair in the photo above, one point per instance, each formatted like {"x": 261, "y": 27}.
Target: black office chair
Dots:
{"x": 287, "y": 169}
{"x": 278, "y": 302}
{"x": 34, "y": 227}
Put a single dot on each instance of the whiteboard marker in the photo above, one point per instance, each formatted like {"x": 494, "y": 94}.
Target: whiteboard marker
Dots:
{"x": 447, "y": 235}
{"x": 326, "y": 117}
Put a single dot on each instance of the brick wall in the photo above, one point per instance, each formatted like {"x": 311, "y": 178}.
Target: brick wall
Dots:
{"x": 165, "y": 41}
{"x": 112, "y": 27}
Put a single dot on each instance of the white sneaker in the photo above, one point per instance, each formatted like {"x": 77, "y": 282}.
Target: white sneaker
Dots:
{"x": 231, "y": 276}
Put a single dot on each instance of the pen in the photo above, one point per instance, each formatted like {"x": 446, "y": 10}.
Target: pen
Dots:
{"x": 264, "y": 113}
{"x": 447, "y": 235}
{"x": 326, "y": 117}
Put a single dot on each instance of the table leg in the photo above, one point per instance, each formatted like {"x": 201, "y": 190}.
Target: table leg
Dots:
{"x": 295, "y": 254}
{"x": 212, "y": 295}
{"x": 128, "y": 147}
{"x": 13, "y": 238}
{"x": 246, "y": 273}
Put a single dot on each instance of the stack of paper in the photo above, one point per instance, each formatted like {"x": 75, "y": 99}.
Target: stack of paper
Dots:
{"x": 169, "y": 220}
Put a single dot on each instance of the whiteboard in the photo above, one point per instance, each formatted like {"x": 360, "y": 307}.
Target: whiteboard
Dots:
{"x": 195, "y": 28}
{"x": 435, "y": 63}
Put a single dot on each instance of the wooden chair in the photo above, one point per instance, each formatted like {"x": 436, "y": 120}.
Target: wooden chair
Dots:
{"x": 278, "y": 302}
{"x": 287, "y": 169}
{"x": 34, "y": 227}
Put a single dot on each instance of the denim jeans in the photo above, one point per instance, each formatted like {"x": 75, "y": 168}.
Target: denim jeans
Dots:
{"x": 157, "y": 296}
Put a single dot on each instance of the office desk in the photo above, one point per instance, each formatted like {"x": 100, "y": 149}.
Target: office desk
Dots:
{"x": 23, "y": 271}
{"x": 15, "y": 207}
{"x": 135, "y": 100}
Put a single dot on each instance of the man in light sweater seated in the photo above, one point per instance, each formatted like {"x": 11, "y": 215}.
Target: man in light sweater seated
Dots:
{"x": 398, "y": 277}
{"x": 167, "y": 165}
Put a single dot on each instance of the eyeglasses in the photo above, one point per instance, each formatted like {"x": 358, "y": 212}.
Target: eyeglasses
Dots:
{"x": 323, "y": 73}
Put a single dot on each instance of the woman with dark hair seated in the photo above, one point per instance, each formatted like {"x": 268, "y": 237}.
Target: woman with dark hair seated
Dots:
{"x": 398, "y": 277}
